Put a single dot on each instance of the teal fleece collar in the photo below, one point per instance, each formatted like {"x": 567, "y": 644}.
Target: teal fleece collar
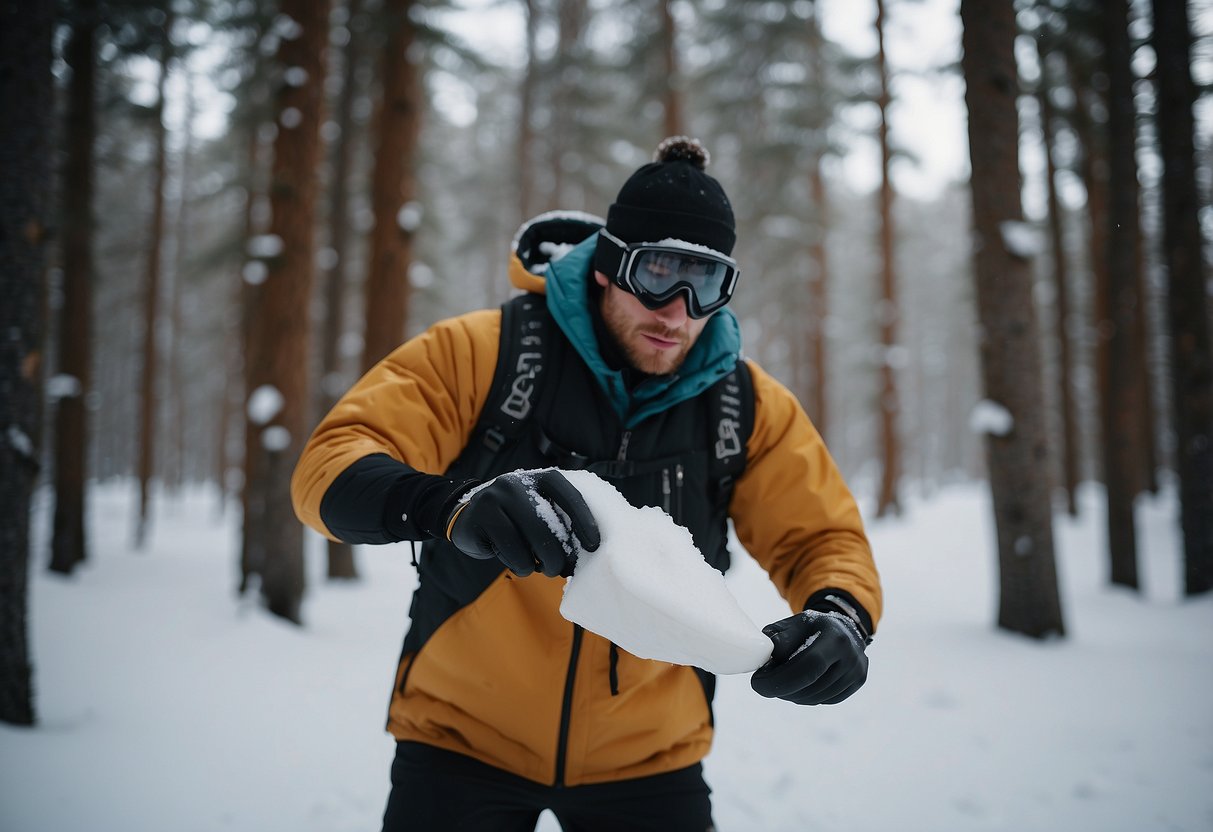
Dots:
{"x": 710, "y": 359}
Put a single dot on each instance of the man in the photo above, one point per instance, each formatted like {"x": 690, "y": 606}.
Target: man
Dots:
{"x": 501, "y": 708}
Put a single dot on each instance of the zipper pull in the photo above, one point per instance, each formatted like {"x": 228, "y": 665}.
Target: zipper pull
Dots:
{"x": 665, "y": 489}
{"x": 623, "y": 445}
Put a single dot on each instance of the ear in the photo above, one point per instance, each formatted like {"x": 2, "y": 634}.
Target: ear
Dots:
{"x": 601, "y": 279}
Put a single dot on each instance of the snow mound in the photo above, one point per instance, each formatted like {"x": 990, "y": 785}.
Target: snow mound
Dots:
{"x": 649, "y": 590}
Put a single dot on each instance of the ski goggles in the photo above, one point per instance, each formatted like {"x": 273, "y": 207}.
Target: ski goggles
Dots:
{"x": 656, "y": 273}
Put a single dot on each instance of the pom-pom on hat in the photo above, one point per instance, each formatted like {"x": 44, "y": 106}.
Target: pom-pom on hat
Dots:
{"x": 672, "y": 197}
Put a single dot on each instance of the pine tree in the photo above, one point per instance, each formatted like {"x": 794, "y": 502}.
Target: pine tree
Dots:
{"x": 1016, "y": 452}
{"x": 25, "y": 96}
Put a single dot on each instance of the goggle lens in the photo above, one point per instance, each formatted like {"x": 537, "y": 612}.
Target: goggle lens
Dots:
{"x": 657, "y": 275}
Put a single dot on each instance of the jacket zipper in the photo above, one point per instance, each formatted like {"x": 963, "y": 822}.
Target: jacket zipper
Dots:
{"x": 678, "y": 475}
{"x": 623, "y": 445}
{"x": 566, "y": 709}
{"x": 665, "y": 490}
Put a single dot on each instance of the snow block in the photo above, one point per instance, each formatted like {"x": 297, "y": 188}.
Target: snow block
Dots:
{"x": 649, "y": 590}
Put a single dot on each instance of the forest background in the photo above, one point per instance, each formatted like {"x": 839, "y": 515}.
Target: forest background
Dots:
{"x": 218, "y": 214}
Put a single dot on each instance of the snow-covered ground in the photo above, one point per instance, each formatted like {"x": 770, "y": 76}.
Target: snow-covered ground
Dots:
{"x": 167, "y": 703}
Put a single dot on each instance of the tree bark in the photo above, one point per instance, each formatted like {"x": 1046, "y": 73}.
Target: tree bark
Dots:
{"x": 819, "y": 263}
{"x": 571, "y": 23}
{"x": 1120, "y": 408}
{"x": 341, "y": 563}
{"x": 672, "y": 83}
{"x": 179, "y": 469}
{"x": 1061, "y": 281}
{"x": 1011, "y": 368}
{"x": 278, "y": 358}
{"x": 394, "y": 188}
{"x": 526, "y": 132}
{"x": 887, "y": 310}
{"x": 148, "y": 394}
{"x": 26, "y": 93}
{"x": 68, "y": 543}
{"x": 1191, "y": 370}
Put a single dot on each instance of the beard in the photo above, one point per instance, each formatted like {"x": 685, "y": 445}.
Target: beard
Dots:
{"x": 630, "y": 338}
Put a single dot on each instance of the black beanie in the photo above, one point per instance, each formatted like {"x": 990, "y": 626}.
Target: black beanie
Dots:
{"x": 669, "y": 198}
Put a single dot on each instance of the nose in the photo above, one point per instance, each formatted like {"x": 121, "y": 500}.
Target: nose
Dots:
{"x": 674, "y": 313}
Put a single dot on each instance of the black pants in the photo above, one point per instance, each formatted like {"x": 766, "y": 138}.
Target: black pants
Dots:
{"x": 434, "y": 790}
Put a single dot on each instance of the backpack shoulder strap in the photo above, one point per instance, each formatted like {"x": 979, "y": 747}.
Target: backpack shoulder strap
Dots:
{"x": 521, "y": 358}
{"x": 731, "y": 420}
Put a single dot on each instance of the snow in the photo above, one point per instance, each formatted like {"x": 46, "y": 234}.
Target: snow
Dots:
{"x": 255, "y": 272}
{"x": 291, "y": 118}
{"x": 264, "y": 404}
{"x": 555, "y": 251}
{"x": 265, "y": 245}
{"x": 1021, "y": 239}
{"x": 20, "y": 442}
{"x": 276, "y": 438}
{"x": 575, "y": 216}
{"x": 295, "y": 76}
{"x": 988, "y": 416}
{"x": 167, "y": 702}
{"x": 408, "y": 218}
{"x": 63, "y": 386}
{"x": 649, "y": 590}
{"x": 671, "y": 242}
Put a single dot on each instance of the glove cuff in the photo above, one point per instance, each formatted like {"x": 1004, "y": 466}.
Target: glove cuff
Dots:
{"x": 841, "y": 601}
{"x": 423, "y": 502}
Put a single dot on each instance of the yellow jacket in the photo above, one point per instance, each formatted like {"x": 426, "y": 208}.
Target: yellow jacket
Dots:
{"x": 495, "y": 680}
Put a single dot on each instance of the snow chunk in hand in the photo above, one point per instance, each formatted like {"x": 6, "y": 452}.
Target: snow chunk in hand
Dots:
{"x": 649, "y": 590}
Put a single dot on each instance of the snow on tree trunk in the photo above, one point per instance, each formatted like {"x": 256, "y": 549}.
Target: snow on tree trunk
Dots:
{"x": 1010, "y": 350}
{"x": 394, "y": 185}
{"x": 278, "y": 348}
{"x": 1192, "y": 373}
{"x": 25, "y": 96}
{"x": 68, "y": 544}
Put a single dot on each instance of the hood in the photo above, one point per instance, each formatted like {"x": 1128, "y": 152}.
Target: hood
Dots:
{"x": 553, "y": 254}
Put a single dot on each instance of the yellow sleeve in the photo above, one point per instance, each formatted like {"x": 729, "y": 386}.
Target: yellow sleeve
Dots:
{"x": 418, "y": 406}
{"x": 792, "y": 510}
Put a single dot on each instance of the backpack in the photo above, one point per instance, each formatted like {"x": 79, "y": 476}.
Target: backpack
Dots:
{"x": 526, "y": 331}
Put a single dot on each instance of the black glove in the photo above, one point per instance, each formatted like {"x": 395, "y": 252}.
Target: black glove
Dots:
{"x": 818, "y": 659}
{"x": 502, "y": 520}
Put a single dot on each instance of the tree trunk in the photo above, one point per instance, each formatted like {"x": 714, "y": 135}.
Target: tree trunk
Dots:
{"x": 526, "y": 133}
{"x": 819, "y": 264}
{"x": 26, "y": 94}
{"x": 1061, "y": 280}
{"x": 1017, "y": 457}
{"x": 278, "y": 357}
{"x": 819, "y": 281}
{"x": 571, "y": 23}
{"x": 394, "y": 187}
{"x": 887, "y": 311}
{"x": 68, "y": 544}
{"x": 1191, "y": 373}
{"x": 340, "y": 555}
{"x": 148, "y": 396}
{"x": 178, "y": 471}
{"x": 1120, "y": 408}
{"x": 672, "y": 83}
